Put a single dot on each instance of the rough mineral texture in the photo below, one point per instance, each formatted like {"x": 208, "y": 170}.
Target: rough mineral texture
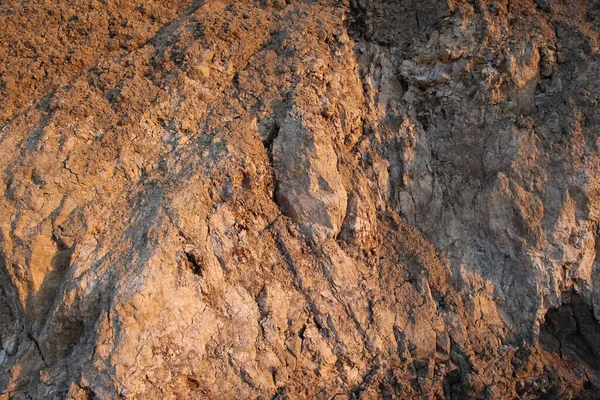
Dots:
{"x": 299, "y": 199}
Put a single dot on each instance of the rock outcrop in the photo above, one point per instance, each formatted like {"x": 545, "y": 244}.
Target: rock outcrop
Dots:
{"x": 299, "y": 199}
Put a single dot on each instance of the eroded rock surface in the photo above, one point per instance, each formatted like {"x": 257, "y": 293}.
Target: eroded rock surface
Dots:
{"x": 299, "y": 199}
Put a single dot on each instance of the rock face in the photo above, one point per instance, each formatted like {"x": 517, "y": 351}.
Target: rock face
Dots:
{"x": 300, "y": 199}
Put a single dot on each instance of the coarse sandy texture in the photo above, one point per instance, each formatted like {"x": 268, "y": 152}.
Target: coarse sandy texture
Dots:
{"x": 299, "y": 199}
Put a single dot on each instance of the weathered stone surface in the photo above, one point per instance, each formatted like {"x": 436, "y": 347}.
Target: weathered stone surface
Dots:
{"x": 294, "y": 199}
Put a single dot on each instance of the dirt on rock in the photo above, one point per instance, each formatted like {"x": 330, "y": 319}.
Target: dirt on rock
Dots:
{"x": 299, "y": 199}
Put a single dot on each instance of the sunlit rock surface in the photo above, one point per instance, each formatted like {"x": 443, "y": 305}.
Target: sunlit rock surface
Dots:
{"x": 299, "y": 199}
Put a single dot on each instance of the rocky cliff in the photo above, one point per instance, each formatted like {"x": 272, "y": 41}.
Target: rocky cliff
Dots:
{"x": 299, "y": 199}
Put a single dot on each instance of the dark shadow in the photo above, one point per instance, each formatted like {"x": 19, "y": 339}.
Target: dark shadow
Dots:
{"x": 571, "y": 331}
{"x": 11, "y": 316}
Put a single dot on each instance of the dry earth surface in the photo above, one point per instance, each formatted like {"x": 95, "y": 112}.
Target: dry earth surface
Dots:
{"x": 299, "y": 199}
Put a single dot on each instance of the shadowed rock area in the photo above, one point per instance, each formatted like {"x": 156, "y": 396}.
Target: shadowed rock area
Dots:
{"x": 299, "y": 199}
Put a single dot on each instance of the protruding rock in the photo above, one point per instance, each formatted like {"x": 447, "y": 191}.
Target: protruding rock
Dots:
{"x": 309, "y": 188}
